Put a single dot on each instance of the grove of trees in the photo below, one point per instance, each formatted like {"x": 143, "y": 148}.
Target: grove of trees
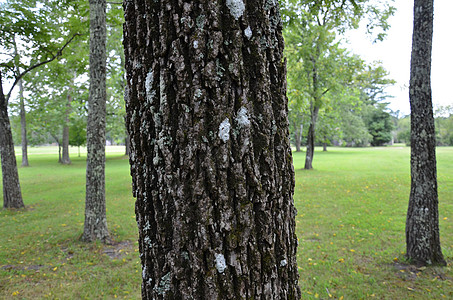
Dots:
{"x": 208, "y": 96}
{"x": 335, "y": 97}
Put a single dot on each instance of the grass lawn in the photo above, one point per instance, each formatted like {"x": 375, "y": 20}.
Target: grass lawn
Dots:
{"x": 350, "y": 225}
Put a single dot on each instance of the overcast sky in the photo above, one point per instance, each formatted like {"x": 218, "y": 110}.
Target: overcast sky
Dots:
{"x": 395, "y": 53}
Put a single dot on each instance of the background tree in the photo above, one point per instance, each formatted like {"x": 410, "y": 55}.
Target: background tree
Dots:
{"x": 77, "y": 131}
{"x": 23, "y": 120}
{"x": 12, "y": 196}
{"x": 95, "y": 226}
{"x": 45, "y": 51}
{"x": 444, "y": 125}
{"x": 422, "y": 224}
{"x": 379, "y": 124}
{"x": 312, "y": 34}
{"x": 210, "y": 155}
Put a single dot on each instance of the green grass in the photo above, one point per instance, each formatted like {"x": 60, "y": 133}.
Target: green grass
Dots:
{"x": 40, "y": 252}
{"x": 351, "y": 222}
{"x": 350, "y": 225}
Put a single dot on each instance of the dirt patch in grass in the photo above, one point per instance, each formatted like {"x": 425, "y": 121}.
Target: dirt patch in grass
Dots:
{"x": 118, "y": 250}
{"x": 22, "y": 268}
{"x": 412, "y": 272}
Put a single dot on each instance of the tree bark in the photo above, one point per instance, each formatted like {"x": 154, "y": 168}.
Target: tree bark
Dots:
{"x": 65, "y": 160}
{"x": 127, "y": 144}
{"x": 95, "y": 227}
{"x": 311, "y": 139}
{"x": 12, "y": 196}
{"x": 422, "y": 225}
{"x": 210, "y": 154}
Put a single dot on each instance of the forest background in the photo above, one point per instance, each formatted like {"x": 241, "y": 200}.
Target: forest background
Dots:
{"x": 349, "y": 95}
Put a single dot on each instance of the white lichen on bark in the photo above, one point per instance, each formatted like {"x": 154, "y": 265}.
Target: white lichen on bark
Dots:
{"x": 248, "y": 32}
{"x": 224, "y": 130}
{"x": 283, "y": 263}
{"x": 220, "y": 262}
{"x": 243, "y": 118}
{"x": 236, "y": 7}
{"x": 150, "y": 93}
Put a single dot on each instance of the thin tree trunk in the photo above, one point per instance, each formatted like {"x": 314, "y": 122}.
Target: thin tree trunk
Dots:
{"x": 23, "y": 126}
{"x": 311, "y": 139}
{"x": 95, "y": 212}
{"x": 314, "y": 109}
{"x": 210, "y": 155}
{"x": 422, "y": 225}
{"x": 298, "y": 135}
{"x": 65, "y": 160}
{"x": 12, "y": 196}
{"x": 23, "y": 121}
{"x": 59, "y": 151}
{"x": 324, "y": 144}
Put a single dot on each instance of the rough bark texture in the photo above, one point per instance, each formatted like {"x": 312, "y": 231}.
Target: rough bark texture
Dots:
{"x": 12, "y": 196}
{"x": 210, "y": 154}
{"x": 95, "y": 213}
{"x": 65, "y": 160}
{"x": 422, "y": 225}
{"x": 127, "y": 143}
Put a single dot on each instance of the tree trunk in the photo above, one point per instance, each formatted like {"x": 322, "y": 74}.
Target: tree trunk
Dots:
{"x": 324, "y": 144}
{"x": 422, "y": 224}
{"x": 23, "y": 121}
{"x": 65, "y": 160}
{"x": 210, "y": 154}
{"x": 95, "y": 212}
{"x": 23, "y": 126}
{"x": 12, "y": 196}
{"x": 311, "y": 139}
{"x": 298, "y": 135}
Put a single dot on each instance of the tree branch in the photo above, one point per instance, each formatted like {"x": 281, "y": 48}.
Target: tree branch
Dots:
{"x": 325, "y": 92}
{"x": 59, "y": 53}
{"x": 109, "y": 2}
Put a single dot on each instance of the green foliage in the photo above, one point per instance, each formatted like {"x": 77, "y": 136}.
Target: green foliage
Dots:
{"x": 403, "y": 130}
{"x": 78, "y": 132}
{"x": 379, "y": 123}
{"x": 444, "y": 125}
{"x": 325, "y": 81}
{"x": 49, "y": 86}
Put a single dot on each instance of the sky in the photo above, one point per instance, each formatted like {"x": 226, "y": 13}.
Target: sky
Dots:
{"x": 395, "y": 53}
